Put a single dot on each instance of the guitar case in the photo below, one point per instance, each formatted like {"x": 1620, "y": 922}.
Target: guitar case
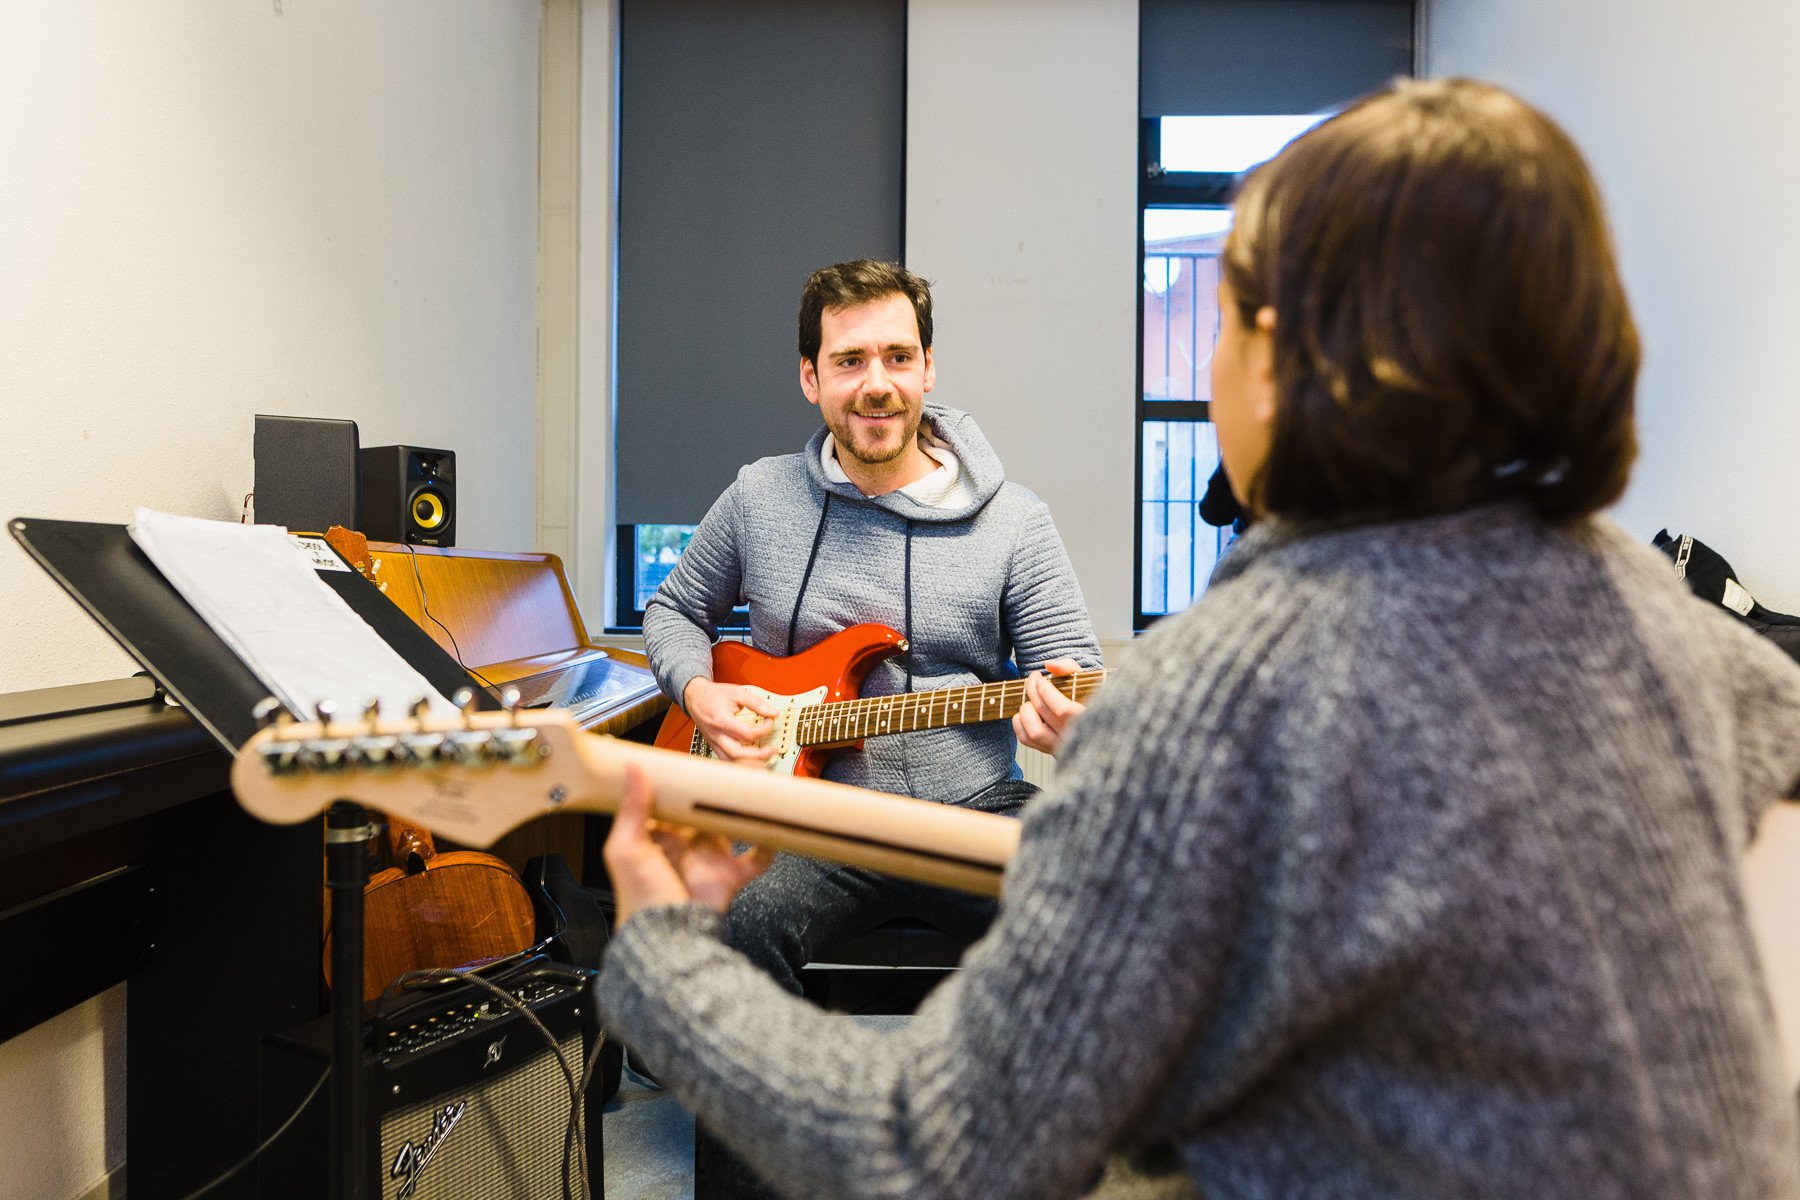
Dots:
{"x": 578, "y": 927}
{"x": 1711, "y": 578}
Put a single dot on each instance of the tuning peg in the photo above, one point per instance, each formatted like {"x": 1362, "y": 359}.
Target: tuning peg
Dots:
{"x": 325, "y": 710}
{"x": 464, "y": 698}
{"x": 268, "y": 712}
{"x": 510, "y": 699}
{"x": 280, "y": 754}
{"x": 374, "y": 748}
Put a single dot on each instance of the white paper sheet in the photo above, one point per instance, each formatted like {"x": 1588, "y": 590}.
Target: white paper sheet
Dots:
{"x": 261, "y": 594}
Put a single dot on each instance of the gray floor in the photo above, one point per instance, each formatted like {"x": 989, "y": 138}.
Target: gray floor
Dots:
{"x": 649, "y": 1145}
{"x": 650, "y": 1139}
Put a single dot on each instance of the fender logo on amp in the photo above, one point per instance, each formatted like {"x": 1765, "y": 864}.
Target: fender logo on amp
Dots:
{"x": 412, "y": 1160}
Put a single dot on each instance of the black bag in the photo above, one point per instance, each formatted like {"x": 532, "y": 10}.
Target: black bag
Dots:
{"x": 1712, "y": 578}
{"x": 580, "y": 925}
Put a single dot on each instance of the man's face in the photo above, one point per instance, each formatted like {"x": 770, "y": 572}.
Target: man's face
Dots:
{"x": 871, "y": 379}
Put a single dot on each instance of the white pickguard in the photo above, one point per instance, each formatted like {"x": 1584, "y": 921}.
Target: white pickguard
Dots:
{"x": 786, "y": 723}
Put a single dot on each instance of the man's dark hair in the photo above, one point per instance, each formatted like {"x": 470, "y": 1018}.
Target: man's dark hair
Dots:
{"x": 1450, "y": 326}
{"x": 846, "y": 284}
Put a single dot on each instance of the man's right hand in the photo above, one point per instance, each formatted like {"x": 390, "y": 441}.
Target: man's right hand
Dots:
{"x": 718, "y": 709}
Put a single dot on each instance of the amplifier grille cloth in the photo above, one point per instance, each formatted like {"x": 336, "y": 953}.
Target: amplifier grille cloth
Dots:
{"x": 508, "y": 1143}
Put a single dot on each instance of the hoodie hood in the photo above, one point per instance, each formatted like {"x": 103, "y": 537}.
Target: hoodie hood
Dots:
{"x": 957, "y": 430}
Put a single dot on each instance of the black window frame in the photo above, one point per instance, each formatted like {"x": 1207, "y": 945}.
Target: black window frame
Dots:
{"x": 1158, "y": 188}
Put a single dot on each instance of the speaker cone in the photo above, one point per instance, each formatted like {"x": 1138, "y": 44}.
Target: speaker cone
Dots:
{"x": 428, "y": 509}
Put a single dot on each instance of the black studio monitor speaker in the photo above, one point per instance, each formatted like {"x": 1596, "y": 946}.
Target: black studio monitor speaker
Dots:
{"x": 465, "y": 1098}
{"x": 306, "y": 473}
{"x": 409, "y": 495}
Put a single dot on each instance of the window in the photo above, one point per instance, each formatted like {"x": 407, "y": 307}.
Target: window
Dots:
{"x": 1237, "y": 61}
{"x": 1191, "y": 165}
{"x": 647, "y": 553}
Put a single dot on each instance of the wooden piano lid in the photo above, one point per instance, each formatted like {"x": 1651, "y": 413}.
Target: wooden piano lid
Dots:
{"x": 511, "y": 618}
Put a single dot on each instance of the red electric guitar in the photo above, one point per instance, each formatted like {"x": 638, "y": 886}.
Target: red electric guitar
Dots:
{"x": 817, "y": 689}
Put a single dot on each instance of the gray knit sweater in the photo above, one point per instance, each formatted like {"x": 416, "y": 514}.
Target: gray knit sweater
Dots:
{"x": 983, "y": 592}
{"x": 1404, "y": 865}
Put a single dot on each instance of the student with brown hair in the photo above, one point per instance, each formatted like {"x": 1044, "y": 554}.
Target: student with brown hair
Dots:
{"x": 1406, "y": 863}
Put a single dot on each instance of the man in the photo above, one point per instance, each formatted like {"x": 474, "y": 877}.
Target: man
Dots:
{"x": 898, "y": 513}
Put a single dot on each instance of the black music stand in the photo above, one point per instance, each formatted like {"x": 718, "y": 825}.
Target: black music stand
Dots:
{"x": 105, "y": 572}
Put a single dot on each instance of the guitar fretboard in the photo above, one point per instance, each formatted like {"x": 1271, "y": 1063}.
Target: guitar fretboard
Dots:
{"x": 850, "y": 720}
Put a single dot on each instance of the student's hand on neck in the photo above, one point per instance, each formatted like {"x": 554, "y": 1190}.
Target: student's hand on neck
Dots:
{"x": 652, "y": 864}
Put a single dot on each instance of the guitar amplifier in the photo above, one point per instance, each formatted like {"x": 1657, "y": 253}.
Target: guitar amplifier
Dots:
{"x": 465, "y": 1098}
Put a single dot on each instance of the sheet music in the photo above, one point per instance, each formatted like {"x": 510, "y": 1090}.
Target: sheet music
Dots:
{"x": 260, "y": 593}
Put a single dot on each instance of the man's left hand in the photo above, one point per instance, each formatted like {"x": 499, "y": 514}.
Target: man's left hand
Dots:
{"x": 1045, "y": 719}
{"x": 653, "y": 864}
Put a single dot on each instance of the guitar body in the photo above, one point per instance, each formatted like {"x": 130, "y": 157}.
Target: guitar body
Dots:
{"x": 831, "y": 671}
{"x": 437, "y": 910}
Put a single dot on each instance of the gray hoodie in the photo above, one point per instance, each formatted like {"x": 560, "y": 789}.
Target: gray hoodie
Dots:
{"x": 982, "y": 592}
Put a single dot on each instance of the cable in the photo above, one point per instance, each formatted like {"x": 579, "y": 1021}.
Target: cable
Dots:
{"x": 453, "y": 976}
{"x": 574, "y": 1147}
{"x": 561, "y": 924}
{"x": 426, "y": 606}
{"x": 267, "y": 1142}
{"x": 575, "y": 1089}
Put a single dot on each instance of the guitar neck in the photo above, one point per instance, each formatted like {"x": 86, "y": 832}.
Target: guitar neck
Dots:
{"x": 853, "y": 720}
{"x": 894, "y": 835}
{"x": 473, "y": 783}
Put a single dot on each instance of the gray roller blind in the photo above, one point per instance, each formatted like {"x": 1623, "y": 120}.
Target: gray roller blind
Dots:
{"x": 1247, "y": 57}
{"x": 756, "y": 142}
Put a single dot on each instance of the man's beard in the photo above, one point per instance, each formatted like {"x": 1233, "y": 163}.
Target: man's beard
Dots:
{"x": 871, "y": 456}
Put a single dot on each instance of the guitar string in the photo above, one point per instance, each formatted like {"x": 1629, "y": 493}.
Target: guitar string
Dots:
{"x": 850, "y": 719}
{"x": 845, "y": 720}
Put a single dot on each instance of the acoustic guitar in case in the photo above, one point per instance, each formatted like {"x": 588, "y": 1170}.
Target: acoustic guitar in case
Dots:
{"x": 435, "y": 911}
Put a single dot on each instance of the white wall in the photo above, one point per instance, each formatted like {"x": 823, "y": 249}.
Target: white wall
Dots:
{"x": 319, "y": 207}
{"x": 60, "y": 1141}
{"x": 1690, "y": 116}
{"x": 1021, "y": 207}
{"x": 594, "y": 571}
{"x": 207, "y": 210}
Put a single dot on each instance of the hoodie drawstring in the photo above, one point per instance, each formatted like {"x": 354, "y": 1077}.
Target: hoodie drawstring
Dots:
{"x": 818, "y": 537}
{"x": 806, "y": 578}
{"x": 906, "y": 664}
